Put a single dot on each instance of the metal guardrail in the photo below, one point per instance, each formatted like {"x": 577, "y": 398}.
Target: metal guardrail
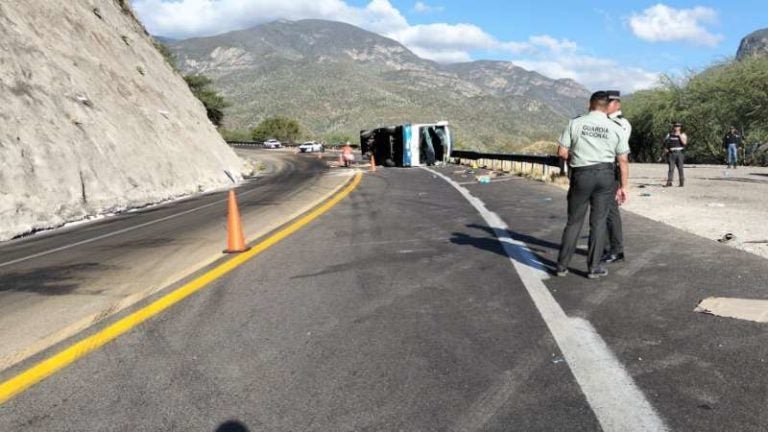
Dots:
{"x": 259, "y": 144}
{"x": 256, "y": 144}
{"x": 490, "y": 159}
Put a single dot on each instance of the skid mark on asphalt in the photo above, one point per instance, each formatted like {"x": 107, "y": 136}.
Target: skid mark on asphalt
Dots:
{"x": 617, "y": 402}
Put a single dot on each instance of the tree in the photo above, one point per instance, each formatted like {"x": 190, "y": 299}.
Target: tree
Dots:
{"x": 728, "y": 93}
{"x": 235, "y": 134}
{"x": 200, "y": 85}
{"x": 281, "y": 128}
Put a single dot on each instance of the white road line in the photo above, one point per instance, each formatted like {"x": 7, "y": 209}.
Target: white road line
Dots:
{"x": 118, "y": 232}
{"x": 617, "y": 402}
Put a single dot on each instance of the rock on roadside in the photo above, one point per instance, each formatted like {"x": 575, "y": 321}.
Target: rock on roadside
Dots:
{"x": 93, "y": 119}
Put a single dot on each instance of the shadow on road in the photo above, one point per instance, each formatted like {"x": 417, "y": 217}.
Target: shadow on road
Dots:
{"x": 232, "y": 426}
{"x": 538, "y": 248}
{"x": 49, "y": 281}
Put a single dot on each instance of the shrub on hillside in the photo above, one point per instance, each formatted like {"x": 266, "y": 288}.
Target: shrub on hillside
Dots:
{"x": 281, "y": 128}
{"x": 730, "y": 93}
{"x": 200, "y": 85}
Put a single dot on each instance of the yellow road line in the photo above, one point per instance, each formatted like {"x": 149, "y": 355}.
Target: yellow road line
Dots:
{"x": 67, "y": 356}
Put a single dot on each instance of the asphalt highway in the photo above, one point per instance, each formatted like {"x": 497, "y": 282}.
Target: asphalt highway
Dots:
{"x": 57, "y": 283}
{"x": 286, "y": 176}
{"x": 399, "y": 309}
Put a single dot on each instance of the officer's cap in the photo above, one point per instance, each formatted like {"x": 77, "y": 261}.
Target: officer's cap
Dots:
{"x": 613, "y": 95}
{"x": 677, "y": 124}
{"x": 599, "y": 96}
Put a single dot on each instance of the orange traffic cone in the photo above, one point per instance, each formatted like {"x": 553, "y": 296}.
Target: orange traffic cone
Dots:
{"x": 373, "y": 164}
{"x": 235, "y": 237}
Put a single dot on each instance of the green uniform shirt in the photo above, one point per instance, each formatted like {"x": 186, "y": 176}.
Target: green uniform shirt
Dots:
{"x": 619, "y": 119}
{"x": 593, "y": 139}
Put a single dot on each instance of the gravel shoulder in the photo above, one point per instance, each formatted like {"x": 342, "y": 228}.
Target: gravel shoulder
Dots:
{"x": 715, "y": 201}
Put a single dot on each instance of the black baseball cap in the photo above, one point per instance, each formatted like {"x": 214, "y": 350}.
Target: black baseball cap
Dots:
{"x": 599, "y": 96}
{"x": 613, "y": 94}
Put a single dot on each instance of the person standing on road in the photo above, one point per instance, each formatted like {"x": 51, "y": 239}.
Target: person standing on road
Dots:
{"x": 674, "y": 144}
{"x": 592, "y": 144}
{"x": 347, "y": 155}
{"x": 614, "y": 245}
{"x": 731, "y": 143}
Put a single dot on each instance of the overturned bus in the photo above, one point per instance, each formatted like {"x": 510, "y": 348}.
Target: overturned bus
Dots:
{"x": 408, "y": 145}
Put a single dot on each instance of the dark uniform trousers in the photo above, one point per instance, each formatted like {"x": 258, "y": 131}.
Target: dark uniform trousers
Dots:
{"x": 593, "y": 188}
{"x": 675, "y": 159}
{"x": 615, "y": 243}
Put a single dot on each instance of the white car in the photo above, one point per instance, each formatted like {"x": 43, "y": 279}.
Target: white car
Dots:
{"x": 310, "y": 147}
{"x": 272, "y": 144}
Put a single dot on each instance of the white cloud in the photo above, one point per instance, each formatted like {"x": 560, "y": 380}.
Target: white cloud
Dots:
{"x": 188, "y": 18}
{"x": 554, "y": 45}
{"x": 661, "y": 23}
{"x": 457, "y": 37}
{"x": 593, "y": 72}
{"x": 441, "y": 42}
{"x": 442, "y": 55}
{"x": 422, "y": 7}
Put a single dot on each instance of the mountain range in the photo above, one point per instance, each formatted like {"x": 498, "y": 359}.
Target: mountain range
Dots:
{"x": 337, "y": 79}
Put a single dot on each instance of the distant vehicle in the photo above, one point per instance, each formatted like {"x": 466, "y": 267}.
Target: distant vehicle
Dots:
{"x": 311, "y": 147}
{"x": 408, "y": 145}
{"x": 272, "y": 144}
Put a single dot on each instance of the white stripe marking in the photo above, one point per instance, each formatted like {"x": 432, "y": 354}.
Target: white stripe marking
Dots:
{"x": 118, "y": 232}
{"x": 614, "y": 397}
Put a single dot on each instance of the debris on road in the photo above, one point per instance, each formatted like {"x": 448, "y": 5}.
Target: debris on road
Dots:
{"x": 726, "y": 238}
{"x": 716, "y": 205}
{"x": 743, "y": 309}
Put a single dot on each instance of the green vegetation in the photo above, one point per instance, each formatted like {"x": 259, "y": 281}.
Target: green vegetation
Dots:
{"x": 730, "y": 93}
{"x": 236, "y": 134}
{"x": 167, "y": 54}
{"x": 281, "y": 128}
{"x": 304, "y": 71}
{"x": 339, "y": 138}
{"x": 214, "y": 103}
{"x": 201, "y": 87}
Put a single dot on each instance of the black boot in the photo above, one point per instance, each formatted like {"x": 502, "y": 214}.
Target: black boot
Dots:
{"x": 682, "y": 183}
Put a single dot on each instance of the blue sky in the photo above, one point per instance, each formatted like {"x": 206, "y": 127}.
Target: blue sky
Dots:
{"x": 601, "y": 44}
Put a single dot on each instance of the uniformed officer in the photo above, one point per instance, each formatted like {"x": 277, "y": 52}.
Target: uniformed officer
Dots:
{"x": 614, "y": 245}
{"x": 674, "y": 144}
{"x": 592, "y": 144}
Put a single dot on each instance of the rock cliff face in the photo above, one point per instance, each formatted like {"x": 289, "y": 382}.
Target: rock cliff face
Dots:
{"x": 92, "y": 119}
{"x": 754, "y": 44}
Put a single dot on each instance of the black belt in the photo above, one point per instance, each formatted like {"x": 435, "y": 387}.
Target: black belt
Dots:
{"x": 595, "y": 167}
